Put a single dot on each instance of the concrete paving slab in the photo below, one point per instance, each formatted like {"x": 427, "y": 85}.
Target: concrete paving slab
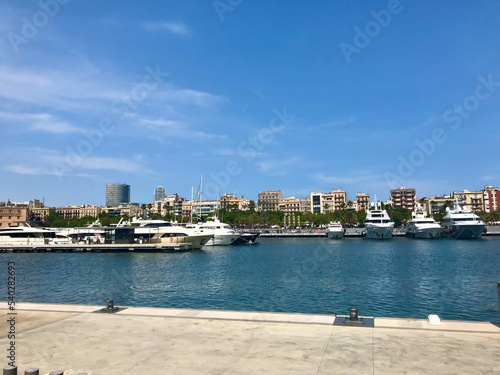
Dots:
{"x": 152, "y": 343}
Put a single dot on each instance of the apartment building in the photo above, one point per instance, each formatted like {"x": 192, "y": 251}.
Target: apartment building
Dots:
{"x": 491, "y": 198}
{"x": 434, "y": 204}
{"x": 269, "y": 200}
{"x": 473, "y": 200}
{"x": 328, "y": 202}
{"x": 403, "y": 197}
{"x": 362, "y": 202}
{"x": 289, "y": 206}
{"x": 229, "y": 202}
{"x": 10, "y": 213}
{"x": 305, "y": 205}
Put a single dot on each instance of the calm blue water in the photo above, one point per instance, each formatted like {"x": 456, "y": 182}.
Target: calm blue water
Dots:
{"x": 398, "y": 278}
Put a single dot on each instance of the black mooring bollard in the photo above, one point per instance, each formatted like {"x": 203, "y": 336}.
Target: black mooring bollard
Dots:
{"x": 56, "y": 372}
{"x": 10, "y": 370}
{"x": 353, "y": 313}
{"x": 32, "y": 371}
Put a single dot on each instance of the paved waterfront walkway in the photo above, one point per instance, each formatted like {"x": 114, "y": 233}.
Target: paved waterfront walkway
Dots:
{"x": 175, "y": 341}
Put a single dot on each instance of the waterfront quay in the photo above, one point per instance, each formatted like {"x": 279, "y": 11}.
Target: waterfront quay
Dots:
{"x": 139, "y": 340}
{"x": 97, "y": 248}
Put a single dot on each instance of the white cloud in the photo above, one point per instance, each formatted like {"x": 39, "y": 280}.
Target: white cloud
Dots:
{"x": 177, "y": 28}
{"x": 39, "y": 161}
{"x": 38, "y": 122}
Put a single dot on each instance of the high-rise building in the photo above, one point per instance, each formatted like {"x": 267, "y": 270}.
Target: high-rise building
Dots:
{"x": 160, "y": 193}
{"x": 403, "y": 197}
{"x": 117, "y": 194}
{"x": 269, "y": 200}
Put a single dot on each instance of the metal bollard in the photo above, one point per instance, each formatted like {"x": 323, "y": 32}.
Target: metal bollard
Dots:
{"x": 56, "y": 372}
{"x": 32, "y": 371}
{"x": 10, "y": 370}
{"x": 353, "y": 313}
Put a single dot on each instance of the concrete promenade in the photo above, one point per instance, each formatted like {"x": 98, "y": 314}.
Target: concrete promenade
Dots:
{"x": 139, "y": 340}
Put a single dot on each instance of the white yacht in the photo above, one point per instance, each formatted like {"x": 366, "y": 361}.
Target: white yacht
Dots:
{"x": 460, "y": 222}
{"x": 160, "y": 231}
{"x": 222, "y": 233}
{"x": 378, "y": 224}
{"x": 26, "y": 235}
{"x": 421, "y": 226}
{"x": 335, "y": 230}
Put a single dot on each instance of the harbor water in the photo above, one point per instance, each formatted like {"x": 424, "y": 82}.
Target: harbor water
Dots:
{"x": 396, "y": 278}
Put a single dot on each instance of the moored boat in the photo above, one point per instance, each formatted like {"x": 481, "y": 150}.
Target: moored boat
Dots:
{"x": 460, "y": 222}
{"x": 335, "y": 230}
{"x": 422, "y": 226}
{"x": 378, "y": 224}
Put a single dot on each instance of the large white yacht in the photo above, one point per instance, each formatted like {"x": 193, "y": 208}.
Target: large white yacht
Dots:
{"x": 460, "y": 222}
{"x": 335, "y": 230}
{"x": 378, "y": 224}
{"x": 421, "y": 226}
{"x": 165, "y": 232}
{"x": 24, "y": 234}
{"x": 222, "y": 233}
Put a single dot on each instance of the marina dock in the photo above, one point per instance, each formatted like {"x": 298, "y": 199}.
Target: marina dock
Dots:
{"x": 140, "y": 340}
{"x": 97, "y": 248}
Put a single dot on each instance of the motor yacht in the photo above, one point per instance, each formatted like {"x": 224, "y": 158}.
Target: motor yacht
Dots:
{"x": 422, "y": 226}
{"x": 222, "y": 233}
{"x": 378, "y": 224}
{"x": 460, "y": 222}
{"x": 160, "y": 231}
{"x": 24, "y": 234}
{"x": 335, "y": 230}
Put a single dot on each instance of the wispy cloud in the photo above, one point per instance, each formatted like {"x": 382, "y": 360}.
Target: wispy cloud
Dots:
{"x": 177, "y": 28}
{"x": 40, "y": 161}
{"x": 44, "y": 122}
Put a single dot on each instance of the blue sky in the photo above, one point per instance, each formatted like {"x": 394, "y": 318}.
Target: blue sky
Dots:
{"x": 258, "y": 95}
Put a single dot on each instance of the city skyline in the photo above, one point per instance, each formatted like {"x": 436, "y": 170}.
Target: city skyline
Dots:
{"x": 257, "y": 96}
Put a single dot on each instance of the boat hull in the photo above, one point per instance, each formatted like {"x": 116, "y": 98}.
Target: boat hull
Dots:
{"x": 464, "y": 231}
{"x": 196, "y": 241}
{"x": 335, "y": 235}
{"x": 425, "y": 233}
{"x": 223, "y": 239}
{"x": 379, "y": 232}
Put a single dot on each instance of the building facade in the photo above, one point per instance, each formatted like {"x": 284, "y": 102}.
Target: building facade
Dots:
{"x": 289, "y": 206}
{"x": 434, "y": 204}
{"x": 10, "y": 213}
{"x": 230, "y": 202}
{"x": 269, "y": 200}
{"x": 491, "y": 198}
{"x": 473, "y": 200}
{"x": 403, "y": 197}
{"x": 159, "y": 194}
{"x": 305, "y": 205}
{"x": 170, "y": 204}
{"x": 328, "y": 202}
{"x": 362, "y": 202}
{"x": 117, "y": 195}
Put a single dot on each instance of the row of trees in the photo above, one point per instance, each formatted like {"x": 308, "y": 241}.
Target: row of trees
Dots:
{"x": 346, "y": 216}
